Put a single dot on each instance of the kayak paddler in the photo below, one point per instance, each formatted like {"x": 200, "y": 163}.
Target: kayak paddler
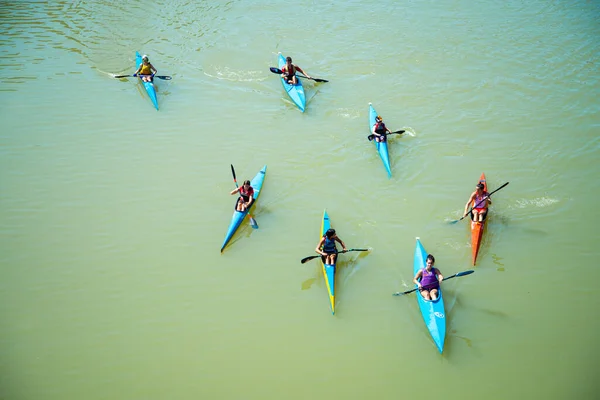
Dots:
{"x": 379, "y": 130}
{"x": 327, "y": 247}
{"x": 246, "y": 196}
{"x": 289, "y": 72}
{"x": 146, "y": 71}
{"x": 480, "y": 201}
{"x": 428, "y": 279}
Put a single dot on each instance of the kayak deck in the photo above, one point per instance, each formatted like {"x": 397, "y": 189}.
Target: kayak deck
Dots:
{"x": 238, "y": 217}
{"x": 149, "y": 86}
{"x": 295, "y": 92}
{"x": 432, "y": 311}
{"x": 477, "y": 227}
{"x": 382, "y": 147}
{"x": 328, "y": 270}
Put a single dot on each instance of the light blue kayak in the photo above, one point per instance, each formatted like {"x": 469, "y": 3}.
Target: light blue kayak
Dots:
{"x": 328, "y": 270}
{"x": 382, "y": 147}
{"x": 296, "y": 92}
{"x": 238, "y": 217}
{"x": 148, "y": 85}
{"x": 432, "y": 311}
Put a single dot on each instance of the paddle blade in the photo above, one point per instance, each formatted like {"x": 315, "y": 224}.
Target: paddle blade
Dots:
{"x": 305, "y": 259}
{"x": 371, "y": 137}
{"x": 275, "y": 70}
{"x": 320, "y": 80}
{"x": 463, "y": 273}
{"x": 253, "y": 223}
{"x": 233, "y": 173}
{"x": 165, "y": 77}
{"x": 122, "y": 76}
{"x": 403, "y": 293}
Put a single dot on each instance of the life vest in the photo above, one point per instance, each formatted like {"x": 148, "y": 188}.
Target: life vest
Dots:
{"x": 146, "y": 70}
{"x": 380, "y": 128}
{"x": 329, "y": 245}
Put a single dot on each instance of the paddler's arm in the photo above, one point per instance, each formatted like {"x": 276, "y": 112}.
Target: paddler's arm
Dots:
{"x": 439, "y": 276}
{"x": 416, "y": 280}
{"x": 341, "y": 242}
{"x": 318, "y": 249}
{"x": 469, "y": 203}
{"x": 234, "y": 191}
{"x": 301, "y": 70}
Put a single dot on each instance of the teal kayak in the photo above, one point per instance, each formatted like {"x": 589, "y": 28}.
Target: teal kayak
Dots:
{"x": 382, "y": 147}
{"x": 296, "y": 92}
{"x": 238, "y": 217}
{"x": 432, "y": 311}
{"x": 328, "y": 270}
{"x": 149, "y": 86}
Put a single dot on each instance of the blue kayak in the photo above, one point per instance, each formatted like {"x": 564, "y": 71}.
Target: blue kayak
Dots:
{"x": 328, "y": 270}
{"x": 382, "y": 147}
{"x": 238, "y": 217}
{"x": 149, "y": 86}
{"x": 432, "y": 311}
{"x": 296, "y": 92}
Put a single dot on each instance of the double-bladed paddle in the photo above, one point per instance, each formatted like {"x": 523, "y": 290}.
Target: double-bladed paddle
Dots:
{"x": 278, "y": 71}
{"x": 252, "y": 220}
{"x": 372, "y": 136}
{"x": 165, "y": 77}
{"x": 463, "y": 273}
{"x": 478, "y": 203}
{"x": 305, "y": 259}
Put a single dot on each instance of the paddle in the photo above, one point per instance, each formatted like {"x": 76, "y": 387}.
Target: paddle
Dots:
{"x": 478, "y": 203}
{"x": 372, "y": 136}
{"x": 305, "y": 259}
{"x": 165, "y": 77}
{"x": 252, "y": 220}
{"x": 463, "y": 273}
{"x": 278, "y": 71}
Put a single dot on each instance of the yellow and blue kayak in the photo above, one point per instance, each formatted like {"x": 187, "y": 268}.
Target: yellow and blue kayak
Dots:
{"x": 149, "y": 86}
{"x": 238, "y": 217}
{"x": 432, "y": 311}
{"x": 382, "y": 147}
{"x": 328, "y": 270}
{"x": 296, "y": 92}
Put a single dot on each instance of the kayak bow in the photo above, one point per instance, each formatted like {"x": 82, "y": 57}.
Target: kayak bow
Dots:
{"x": 149, "y": 86}
{"x": 382, "y": 147}
{"x": 432, "y": 311}
{"x": 328, "y": 270}
{"x": 477, "y": 227}
{"x": 296, "y": 92}
{"x": 238, "y": 217}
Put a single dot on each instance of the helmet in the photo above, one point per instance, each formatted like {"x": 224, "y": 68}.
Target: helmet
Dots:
{"x": 145, "y": 57}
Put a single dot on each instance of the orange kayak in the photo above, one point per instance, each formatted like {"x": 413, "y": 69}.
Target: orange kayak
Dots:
{"x": 477, "y": 227}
